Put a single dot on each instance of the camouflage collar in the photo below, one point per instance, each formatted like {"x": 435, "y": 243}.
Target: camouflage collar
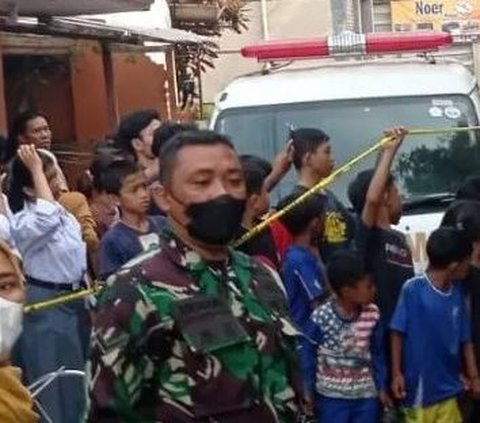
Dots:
{"x": 184, "y": 256}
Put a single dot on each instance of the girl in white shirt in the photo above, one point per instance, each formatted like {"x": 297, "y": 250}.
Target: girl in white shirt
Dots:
{"x": 50, "y": 242}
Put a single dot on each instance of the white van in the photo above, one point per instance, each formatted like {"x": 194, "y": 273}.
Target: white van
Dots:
{"x": 353, "y": 102}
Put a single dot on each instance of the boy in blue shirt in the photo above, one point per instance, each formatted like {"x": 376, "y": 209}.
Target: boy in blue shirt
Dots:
{"x": 302, "y": 268}
{"x": 304, "y": 278}
{"x": 431, "y": 334}
{"x": 136, "y": 231}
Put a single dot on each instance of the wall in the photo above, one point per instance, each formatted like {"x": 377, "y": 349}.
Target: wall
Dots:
{"x": 344, "y": 15}
{"x": 89, "y": 93}
{"x": 287, "y": 19}
{"x": 139, "y": 83}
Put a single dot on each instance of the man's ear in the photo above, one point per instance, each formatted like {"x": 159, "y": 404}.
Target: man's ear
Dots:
{"x": 453, "y": 267}
{"x": 137, "y": 144}
{"x": 251, "y": 202}
{"x": 22, "y": 140}
{"x": 115, "y": 198}
{"x": 160, "y": 197}
{"x": 29, "y": 192}
{"x": 306, "y": 159}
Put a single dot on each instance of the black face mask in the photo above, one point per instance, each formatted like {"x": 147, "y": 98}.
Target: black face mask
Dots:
{"x": 216, "y": 221}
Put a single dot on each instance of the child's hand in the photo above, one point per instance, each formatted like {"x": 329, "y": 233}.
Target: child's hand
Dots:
{"x": 385, "y": 399}
{"x": 283, "y": 160}
{"x": 30, "y": 158}
{"x": 398, "y": 387}
{"x": 307, "y": 405}
{"x": 397, "y": 136}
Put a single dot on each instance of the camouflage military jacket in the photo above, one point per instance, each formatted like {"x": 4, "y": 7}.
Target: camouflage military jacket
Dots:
{"x": 180, "y": 340}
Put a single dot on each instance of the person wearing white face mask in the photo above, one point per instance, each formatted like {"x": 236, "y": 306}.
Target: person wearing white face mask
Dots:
{"x": 15, "y": 400}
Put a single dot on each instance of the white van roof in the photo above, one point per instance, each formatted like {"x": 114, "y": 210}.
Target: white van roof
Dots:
{"x": 362, "y": 80}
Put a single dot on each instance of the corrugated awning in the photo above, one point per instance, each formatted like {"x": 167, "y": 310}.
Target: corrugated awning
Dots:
{"x": 70, "y": 7}
{"x": 90, "y": 28}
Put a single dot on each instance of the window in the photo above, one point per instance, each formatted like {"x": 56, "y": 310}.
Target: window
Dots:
{"x": 425, "y": 165}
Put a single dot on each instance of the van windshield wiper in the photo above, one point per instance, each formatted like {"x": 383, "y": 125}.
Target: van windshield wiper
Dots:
{"x": 428, "y": 203}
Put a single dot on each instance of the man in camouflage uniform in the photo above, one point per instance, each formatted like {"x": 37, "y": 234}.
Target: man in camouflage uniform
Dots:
{"x": 194, "y": 332}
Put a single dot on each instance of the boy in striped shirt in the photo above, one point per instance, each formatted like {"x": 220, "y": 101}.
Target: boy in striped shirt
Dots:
{"x": 351, "y": 369}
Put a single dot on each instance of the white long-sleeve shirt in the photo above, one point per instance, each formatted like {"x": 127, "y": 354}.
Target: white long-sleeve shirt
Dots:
{"x": 49, "y": 240}
{"x": 5, "y": 225}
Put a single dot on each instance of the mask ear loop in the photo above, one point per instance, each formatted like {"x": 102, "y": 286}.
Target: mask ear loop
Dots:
{"x": 185, "y": 206}
{"x": 178, "y": 201}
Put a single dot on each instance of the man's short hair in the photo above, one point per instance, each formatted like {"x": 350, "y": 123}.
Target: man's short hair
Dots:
{"x": 344, "y": 270}
{"x": 170, "y": 151}
{"x": 255, "y": 170}
{"x": 448, "y": 245}
{"x": 115, "y": 174}
{"x": 300, "y": 217}
{"x": 131, "y": 125}
{"x": 168, "y": 130}
{"x": 358, "y": 188}
{"x": 306, "y": 140}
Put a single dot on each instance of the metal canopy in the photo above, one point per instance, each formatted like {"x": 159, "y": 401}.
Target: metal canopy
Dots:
{"x": 95, "y": 29}
{"x": 70, "y": 7}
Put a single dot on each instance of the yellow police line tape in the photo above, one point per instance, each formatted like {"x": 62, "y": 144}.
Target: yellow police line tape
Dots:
{"x": 77, "y": 295}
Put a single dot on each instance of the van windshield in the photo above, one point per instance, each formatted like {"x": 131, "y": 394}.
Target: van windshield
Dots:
{"x": 426, "y": 165}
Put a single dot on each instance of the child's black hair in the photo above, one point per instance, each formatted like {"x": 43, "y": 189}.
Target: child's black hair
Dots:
{"x": 131, "y": 125}
{"x": 306, "y": 140}
{"x": 345, "y": 269}
{"x": 255, "y": 170}
{"x": 358, "y": 188}
{"x": 464, "y": 215}
{"x": 470, "y": 189}
{"x": 448, "y": 245}
{"x": 20, "y": 178}
{"x": 105, "y": 156}
{"x": 166, "y": 131}
{"x": 114, "y": 175}
{"x": 300, "y": 217}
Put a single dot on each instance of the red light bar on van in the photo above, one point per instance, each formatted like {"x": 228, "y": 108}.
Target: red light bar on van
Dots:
{"x": 347, "y": 43}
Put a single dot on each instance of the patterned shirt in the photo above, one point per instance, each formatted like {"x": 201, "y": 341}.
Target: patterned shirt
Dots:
{"x": 180, "y": 340}
{"x": 347, "y": 359}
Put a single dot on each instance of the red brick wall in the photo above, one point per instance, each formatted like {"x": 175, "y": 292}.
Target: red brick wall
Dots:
{"x": 139, "y": 83}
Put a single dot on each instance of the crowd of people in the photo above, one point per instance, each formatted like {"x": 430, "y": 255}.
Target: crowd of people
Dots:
{"x": 319, "y": 317}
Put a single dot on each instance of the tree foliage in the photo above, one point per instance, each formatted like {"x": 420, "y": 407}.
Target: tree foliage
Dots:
{"x": 427, "y": 170}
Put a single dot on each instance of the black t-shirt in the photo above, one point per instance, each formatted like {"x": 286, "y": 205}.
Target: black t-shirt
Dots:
{"x": 472, "y": 289}
{"x": 388, "y": 257}
{"x": 261, "y": 245}
{"x": 339, "y": 224}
